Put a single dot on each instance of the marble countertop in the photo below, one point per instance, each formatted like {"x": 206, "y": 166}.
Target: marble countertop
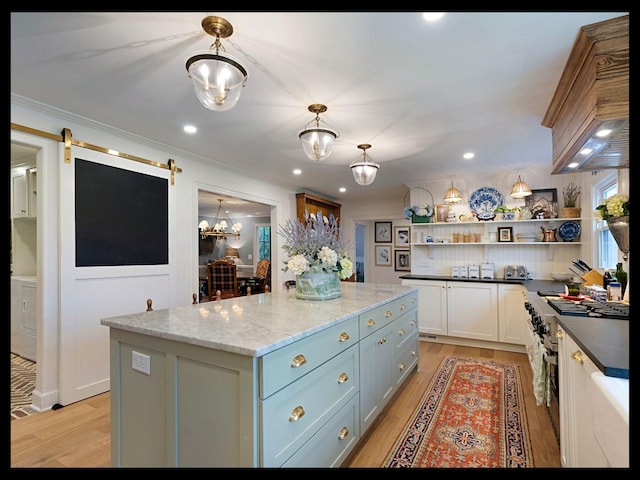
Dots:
{"x": 257, "y": 324}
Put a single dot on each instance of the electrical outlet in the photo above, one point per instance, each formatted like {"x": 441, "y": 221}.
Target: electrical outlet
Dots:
{"x": 141, "y": 362}
{"x": 437, "y": 271}
{"x": 424, "y": 262}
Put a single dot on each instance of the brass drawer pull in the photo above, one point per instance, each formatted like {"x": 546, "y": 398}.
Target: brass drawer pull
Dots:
{"x": 371, "y": 322}
{"x": 296, "y": 414}
{"x": 402, "y": 307}
{"x": 559, "y": 334}
{"x": 578, "y": 357}
{"x": 388, "y": 314}
{"x": 343, "y": 377}
{"x": 382, "y": 340}
{"x": 344, "y": 431}
{"x": 344, "y": 336}
{"x": 298, "y": 361}
{"x": 401, "y": 366}
{"x": 413, "y": 323}
{"x": 401, "y": 331}
{"x": 413, "y": 353}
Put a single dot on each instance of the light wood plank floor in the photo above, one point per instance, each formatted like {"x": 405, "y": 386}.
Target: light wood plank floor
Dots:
{"x": 78, "y": 435}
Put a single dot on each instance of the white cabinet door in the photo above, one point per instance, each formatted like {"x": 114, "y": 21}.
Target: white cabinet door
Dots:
{"x": 432, "y": 307}
{"x": 578, "y": 445}
{"x": 473, "y": 310}
{"x": 19, "y": 199}
{"x": 512, "y": 316}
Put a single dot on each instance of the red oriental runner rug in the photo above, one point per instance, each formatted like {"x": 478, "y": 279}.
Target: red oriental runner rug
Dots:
{"x": 472, "y": 415}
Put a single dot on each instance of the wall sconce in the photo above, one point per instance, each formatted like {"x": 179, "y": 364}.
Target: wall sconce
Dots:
{"x": 520, "y": 189}
{"x": 217, "y": 79}
{"x": 453, "y": 195}
{"x": 317, "y": 140}
{"x": 364, "y": 171}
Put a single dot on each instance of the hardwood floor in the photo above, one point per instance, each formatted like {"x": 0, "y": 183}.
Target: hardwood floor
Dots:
{"x": 78, "y": 435}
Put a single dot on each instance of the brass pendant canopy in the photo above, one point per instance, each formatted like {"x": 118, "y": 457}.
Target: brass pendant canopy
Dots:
{"x": 217, "y": 78}
{"x": 316, "y": 140}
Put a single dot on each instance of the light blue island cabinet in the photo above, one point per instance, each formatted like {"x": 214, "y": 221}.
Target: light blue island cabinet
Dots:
{"x": 260, "y": 381}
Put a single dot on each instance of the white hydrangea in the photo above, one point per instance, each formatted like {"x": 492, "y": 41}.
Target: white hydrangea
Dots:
{"x": 328, "y": 257}
{"x": 347, "y": 268}
{"x": 298, "y": 264}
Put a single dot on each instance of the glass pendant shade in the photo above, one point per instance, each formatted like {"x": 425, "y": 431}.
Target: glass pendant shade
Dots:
{"x": 520, "y": 189}
{"x": 217, "y": 78}
{"x": 453, "y": 195}
{"x": 364, "y": 171}
{"x": 316, "y": 140}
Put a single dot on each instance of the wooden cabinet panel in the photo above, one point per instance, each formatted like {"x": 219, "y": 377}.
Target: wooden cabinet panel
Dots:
{"x": 313, "y": 204}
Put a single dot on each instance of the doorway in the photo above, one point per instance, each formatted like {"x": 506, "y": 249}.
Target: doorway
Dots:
{"x": 360, "y": 249}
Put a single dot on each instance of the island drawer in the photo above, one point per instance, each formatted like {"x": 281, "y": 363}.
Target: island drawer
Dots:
{"x": 405, "y": 326}
{"x": 379, "y": 317}
{"x": 333, "y": 442}
{"x": 285, "y": 365}
{"x": 293, "y": 415}
{"x": 406, "y": 358}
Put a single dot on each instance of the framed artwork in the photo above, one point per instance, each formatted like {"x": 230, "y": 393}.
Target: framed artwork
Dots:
{"x": 441, "y": 212}
{"x": 543, "y": 203}
{"x": 505, "y": 234}
{"x": 401, "y": 236}
{"x": 383, "y": 255}
{"x": 403, "y": 260}
{"x": 383, "y": 232}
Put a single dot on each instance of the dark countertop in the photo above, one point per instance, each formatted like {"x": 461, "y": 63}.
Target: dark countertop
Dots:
{"x": 604, "y": 340}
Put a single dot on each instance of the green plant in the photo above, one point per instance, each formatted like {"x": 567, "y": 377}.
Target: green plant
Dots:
{"x": 571, "y": 193}
{"x": 504, "y": 208}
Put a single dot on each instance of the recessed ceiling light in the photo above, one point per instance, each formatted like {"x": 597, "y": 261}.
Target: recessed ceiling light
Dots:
{"x": 468, "y": 155}
{"x": 573, "y": 165}
{"x": 586, "y": 151}
{"x": 432, "y": 16}
{"x": 342, "y": 189}
{"x": 297, "y": 171}
{"x": 190, "y": 129}
{"x": 603, "y": 133}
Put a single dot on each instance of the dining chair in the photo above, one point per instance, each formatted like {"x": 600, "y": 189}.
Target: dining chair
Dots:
{"x": 263, "y": 276}
{"x": 222, "y": 277}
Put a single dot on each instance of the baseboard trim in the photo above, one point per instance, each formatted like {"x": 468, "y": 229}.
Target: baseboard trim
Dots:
{"x": 467, "y": 342}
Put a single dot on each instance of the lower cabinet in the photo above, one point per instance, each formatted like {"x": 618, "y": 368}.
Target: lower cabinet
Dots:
{"x": 512, "y": 316}
{"x": 578, "y": 444}
{"x": 472, "y": 310}
{"x": 303, "y": 405}
{"x": 432, "y": 315}
{"x": 24, "y": 300}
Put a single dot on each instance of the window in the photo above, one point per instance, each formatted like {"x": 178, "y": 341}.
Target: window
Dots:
{"x": 607, "y": 246}
{"x": 263, "y": 238}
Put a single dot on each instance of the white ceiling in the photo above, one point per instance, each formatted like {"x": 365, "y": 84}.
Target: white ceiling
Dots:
{"x": 420, "y": 93}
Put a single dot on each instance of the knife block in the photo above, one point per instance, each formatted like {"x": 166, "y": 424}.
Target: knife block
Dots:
{"x": 593, "y": 277}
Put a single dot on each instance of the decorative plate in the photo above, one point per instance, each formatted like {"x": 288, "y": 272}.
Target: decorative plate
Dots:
{"x": 568, "y": 231}
{"x": 484, "y": 201}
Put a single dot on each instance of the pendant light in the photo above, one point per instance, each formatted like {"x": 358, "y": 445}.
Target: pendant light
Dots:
{"x": 217, "y": 79}
{"x": 364, "y": 171}
{"x": 317, "y": 141}
{"x": 453, "y": 195}
{"x": 520, "y": 189}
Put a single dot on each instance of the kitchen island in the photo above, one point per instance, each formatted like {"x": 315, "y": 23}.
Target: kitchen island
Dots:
{"x": 259, "y": 381}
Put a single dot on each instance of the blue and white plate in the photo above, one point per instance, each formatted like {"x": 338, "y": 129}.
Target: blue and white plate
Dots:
{"x": 568, "y": 231}
{"x": 484, "y": 201}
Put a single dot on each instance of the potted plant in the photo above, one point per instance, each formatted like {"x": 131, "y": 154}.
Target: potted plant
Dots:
{"x": 570, "y": 193}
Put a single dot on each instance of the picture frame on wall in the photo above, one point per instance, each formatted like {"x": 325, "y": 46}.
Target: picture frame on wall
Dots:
{"x": 543, "y": 203}
{"x": 401, "y": 236}
{"x": 402, "y": 260}
{"x": 505, "y": 234}
{"x": 383, "y": 232}
{"x": 441, "y": 213}
{"x": 383, "y": 255}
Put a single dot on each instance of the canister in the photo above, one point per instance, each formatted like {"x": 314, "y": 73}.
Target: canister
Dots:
{"x": 614, "y": 292}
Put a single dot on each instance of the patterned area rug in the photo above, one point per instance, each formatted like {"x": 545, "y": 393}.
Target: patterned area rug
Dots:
{"x": 23, "y": 381}
{"x": 472, "y": 415}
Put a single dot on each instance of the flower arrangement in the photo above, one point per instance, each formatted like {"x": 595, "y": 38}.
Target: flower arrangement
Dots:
{"x": 423, "y": 211}
{"x": 615, "y": 206}
{"x": 317, "y": 246}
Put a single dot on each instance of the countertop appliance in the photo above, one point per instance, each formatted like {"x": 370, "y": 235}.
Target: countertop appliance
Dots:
{"x": 515, "y": 272}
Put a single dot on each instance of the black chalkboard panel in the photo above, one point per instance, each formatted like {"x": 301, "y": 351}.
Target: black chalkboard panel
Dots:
{"x": 122, "y": 217}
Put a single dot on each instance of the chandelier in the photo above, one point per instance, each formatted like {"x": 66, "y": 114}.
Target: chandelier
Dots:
{"x": 364, "y": 171}
{"x": 317, "y": 140}
{"x": 220, "y": 225}
{"x": 217, "y": 79}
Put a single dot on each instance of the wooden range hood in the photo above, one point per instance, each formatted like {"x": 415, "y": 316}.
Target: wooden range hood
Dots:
{"x": 593, "y": 93}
